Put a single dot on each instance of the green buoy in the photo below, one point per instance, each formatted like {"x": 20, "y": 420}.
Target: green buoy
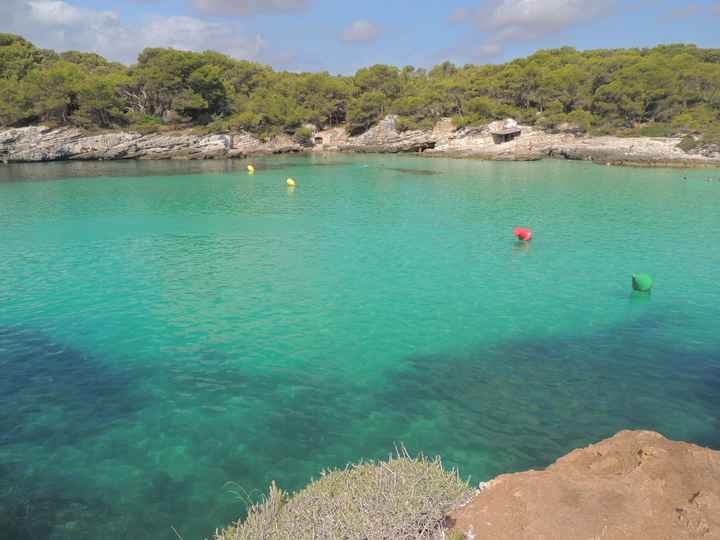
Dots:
{"x": 642, "y": 282}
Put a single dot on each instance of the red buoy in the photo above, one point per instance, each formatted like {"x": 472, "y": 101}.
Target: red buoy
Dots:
{"x": 523, "y": 234}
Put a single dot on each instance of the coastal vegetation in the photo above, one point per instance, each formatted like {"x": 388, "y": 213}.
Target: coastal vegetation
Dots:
{"x": 403, "y": 498}
{"x": 660, "y": 91}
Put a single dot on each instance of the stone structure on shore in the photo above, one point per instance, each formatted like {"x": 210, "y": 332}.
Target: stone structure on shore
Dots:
{"x": 33, "y": 144}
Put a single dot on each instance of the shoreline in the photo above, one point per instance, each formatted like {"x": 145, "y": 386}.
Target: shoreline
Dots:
{"x": 635, "y": 485}
{"x": 43, "y": 144}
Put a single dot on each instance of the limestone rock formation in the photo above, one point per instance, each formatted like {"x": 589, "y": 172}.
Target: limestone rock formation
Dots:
{"x": 385, "y": 137}
{"x": 636, "y": 485}
{"x": 44, "y": 144}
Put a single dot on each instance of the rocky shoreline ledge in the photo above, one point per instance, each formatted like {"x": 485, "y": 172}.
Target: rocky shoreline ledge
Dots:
{"x": 636, "y": 485}
{"x": 39, "y": 143}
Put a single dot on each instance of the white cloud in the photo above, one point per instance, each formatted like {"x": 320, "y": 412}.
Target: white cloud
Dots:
{"x": 527, "y": 19}
{"x": 61, "y": 13}
{"x": 191, "y": 34}
{"x": 62, "y": 25}
{"x": 249, "y": 7}
{"x": 501, "y": 21}
{"x": 361, "y": 31}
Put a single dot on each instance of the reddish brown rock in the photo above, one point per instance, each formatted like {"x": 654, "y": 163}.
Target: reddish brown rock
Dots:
{"x": 635, "y": 485}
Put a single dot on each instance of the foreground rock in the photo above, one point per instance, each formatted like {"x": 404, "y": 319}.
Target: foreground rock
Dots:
{"x": 43, "y": 144}
{"x": 635, "y": 485}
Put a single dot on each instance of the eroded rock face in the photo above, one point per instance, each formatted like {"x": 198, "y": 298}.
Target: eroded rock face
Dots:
{"x": 535, "y": 144}
{"x": 44, "y": 144}
{"x": 385, "y": 137}
{"x": 636, "y": 485}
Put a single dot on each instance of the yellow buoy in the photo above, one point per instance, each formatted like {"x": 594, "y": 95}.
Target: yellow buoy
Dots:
{"x": 290, "y": 182}
{"x": 251, "y": 169}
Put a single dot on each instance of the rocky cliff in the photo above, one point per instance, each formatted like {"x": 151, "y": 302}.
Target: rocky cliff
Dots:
{"x": 636, "y": 485}
{"x": 533, "y": 144}
{"x": 44, "y": 144}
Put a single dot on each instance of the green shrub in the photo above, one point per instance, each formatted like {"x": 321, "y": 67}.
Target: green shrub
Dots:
{"x": 688, "y": 143}
{"x": 461, "y": 121}
{"x": 697, "y": 119}
{"x": 549, "y": 121}
{"x": 583, "y": 120}
{"x": 144, "y": 123}
{"x": 408, "y": 123}
{"x": 304, "y": 135}
{"x": 656, "y": 129}
{"x": 365, "y": 111}
{"x": 401, "y": 498}
{"x": 217, "y": 124}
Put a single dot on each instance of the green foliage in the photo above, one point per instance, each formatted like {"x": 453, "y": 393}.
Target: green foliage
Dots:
{"x": 304, "y": 135}
{"x": 54, "y": 90}
{"x": 378, "y": 78}
{"x": 697, "y": 119}
{"x": 14, "y": 103}
{"x": 18, "y": 56}
{"x": 100, "y": 102}
{"x": 689, "y": 143}
{"x": 578, "y": 120}
{"x": 412, "y": 113}
{"x": 365, "y": 110}
{"x": 655, "y": 129}
{"x": 400, "y": 498}
{"x": 669, "y": 89}
{"x": 585, "y": 120}
{"x": 142, "y": 122}
{"x": 90, "y": 60}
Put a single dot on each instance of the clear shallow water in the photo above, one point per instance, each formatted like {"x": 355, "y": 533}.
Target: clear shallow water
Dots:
{"x": 172, "y": 334}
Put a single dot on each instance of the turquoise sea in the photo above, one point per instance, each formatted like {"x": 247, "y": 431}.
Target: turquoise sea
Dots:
{"x": 174, "y": 336}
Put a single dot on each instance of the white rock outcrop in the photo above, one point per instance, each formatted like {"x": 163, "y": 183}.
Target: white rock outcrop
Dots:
{"x": 40, "y": 143}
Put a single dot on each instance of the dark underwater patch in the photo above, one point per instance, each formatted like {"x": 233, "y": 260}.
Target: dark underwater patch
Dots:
{"x": 321, "y": 164}
{"x": 53, "y": 395}
{"x": 513, "y": 406}
{"x": 264, "y": 166}
{"x": 50, "y": 391}
{"x": 414, "y": 172}
{"x": 529, "y": 401}
{"x": 31, "y": 512}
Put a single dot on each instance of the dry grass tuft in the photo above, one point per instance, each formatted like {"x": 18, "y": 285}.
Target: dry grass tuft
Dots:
{"x": 402, "y": 498}
{"x": 454, "y": 534}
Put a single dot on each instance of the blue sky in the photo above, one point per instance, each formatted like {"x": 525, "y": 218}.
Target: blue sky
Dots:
{"x": 341, "y": 36}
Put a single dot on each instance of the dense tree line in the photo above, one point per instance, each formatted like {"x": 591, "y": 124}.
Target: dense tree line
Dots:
{"x": 660, "y": 91}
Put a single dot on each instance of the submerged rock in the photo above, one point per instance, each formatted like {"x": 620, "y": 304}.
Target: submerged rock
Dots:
{"x": 635, "y": 485}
